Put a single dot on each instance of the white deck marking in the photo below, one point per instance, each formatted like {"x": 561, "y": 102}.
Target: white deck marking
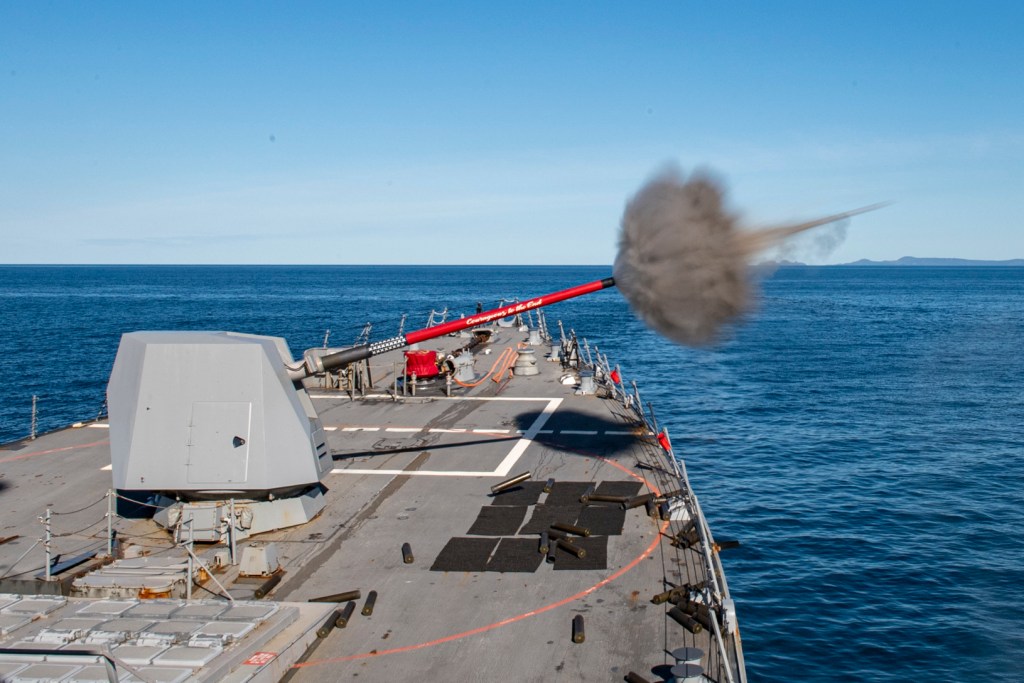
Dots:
{"x": 581, "y": 432}
{"x": 106, "y": 469}
{"x": 507, "y": 463}
{"x": 403, "y": 429}
{"x": 99, "y": 425}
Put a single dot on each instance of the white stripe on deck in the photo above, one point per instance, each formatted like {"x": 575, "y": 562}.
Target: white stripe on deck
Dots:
{"x": 504, "y": 467}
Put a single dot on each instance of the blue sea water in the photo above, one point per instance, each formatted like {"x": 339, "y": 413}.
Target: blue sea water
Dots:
{"x": 862, "y": 433}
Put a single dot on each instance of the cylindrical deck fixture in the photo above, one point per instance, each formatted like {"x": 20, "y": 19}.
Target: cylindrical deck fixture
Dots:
{"x": 663, "y": 511}
{"x": 407, "y": 553}
{"x": 526, "y": 363}
{"x": 687, "y": 655}
{"x": 346, "y": 613}
{"x": 548, "y": 485}
{"x": 652, "y": 508}
{"x": 567, "y": 546}
{"x": 587, "y": 494}
{"x": 685, "y": 620}
{"x": 338, "y": 597}
{"x": 545, "y": 542}
{"x": 578, "y": 633}
{"x": 371, "y": 600}
{"x": 571, "y": 528}
{"x": 267, "y": 586}
{"x": 687, "y": 673}
{"x": 509, "y": 483}
{"x": 555, "y": 534}
{"x": 534, "y": 338}
{"x": 328, "y": 626}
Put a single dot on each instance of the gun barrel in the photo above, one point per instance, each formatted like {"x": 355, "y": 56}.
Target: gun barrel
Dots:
{"x": 364, "y": 351}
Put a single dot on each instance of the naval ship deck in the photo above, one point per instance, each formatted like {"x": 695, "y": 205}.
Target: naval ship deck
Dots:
{"x": 478, "y": 598}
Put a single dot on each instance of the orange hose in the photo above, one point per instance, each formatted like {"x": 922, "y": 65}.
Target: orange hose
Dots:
{"x": 499, "y": 361}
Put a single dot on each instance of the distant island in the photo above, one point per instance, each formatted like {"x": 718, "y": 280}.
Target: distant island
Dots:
{"x": 915, "y": 261}
{"x": 912, "y": 261}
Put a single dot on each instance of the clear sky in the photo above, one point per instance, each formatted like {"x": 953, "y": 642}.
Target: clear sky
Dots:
{"x": 513, "y": 133}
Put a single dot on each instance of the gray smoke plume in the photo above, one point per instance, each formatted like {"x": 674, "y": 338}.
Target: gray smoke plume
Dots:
{"x": 683, "y": 261}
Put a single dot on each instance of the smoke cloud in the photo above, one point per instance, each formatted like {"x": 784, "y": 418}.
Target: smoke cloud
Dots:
{"x": 683, "y": 261}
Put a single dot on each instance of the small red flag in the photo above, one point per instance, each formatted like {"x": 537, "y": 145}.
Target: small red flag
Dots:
{"x": 615, "y": 376}
{"x": 663, "y": 440}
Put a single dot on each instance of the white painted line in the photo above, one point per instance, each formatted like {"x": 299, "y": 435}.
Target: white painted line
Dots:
{"x": 438, "y": 430}
{"x": 403, "y": 429}
{"x": 614, "y": 432}
{"x": 531, "y": 433}
{"x": 107, "y": 468}
{"x": 581, "y": 432}
{"x": 421, "y": 473}
{"x": 504, "y": 466}
{"x": 360, "y": 429}
{"x": 99, "y": 425}
{"x": 490, "y": 431}
{"x": 330, "y": 429}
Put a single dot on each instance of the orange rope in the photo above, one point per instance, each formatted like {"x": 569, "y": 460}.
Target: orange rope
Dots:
{"x": 501, "y": 360}
{"x": 507, "y": 366}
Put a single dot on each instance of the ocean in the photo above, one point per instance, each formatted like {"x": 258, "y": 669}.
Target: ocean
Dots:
{"x": 861, "y": 433}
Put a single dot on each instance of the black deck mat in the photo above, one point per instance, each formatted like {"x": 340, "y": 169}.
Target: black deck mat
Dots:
{"x": 498, "y": 520}
{"x": 546, "y": 515}
{"x": 597, "y": 554}
{"x": 464, "y": 555}
{"x": 527, "y": 493}
{"x": 619, "y": 488}
{"x": 602, "y": 520}
{"x": 516, "y": 555}
{"x": 567, "y": 492}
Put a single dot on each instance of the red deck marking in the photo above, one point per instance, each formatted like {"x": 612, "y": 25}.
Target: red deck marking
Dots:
{"x": 261, "y": 658}
{"x": 54, "y": 450}
{"x": 519, "y": 617}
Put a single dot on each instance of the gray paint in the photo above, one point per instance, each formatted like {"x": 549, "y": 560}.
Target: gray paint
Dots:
{"x": 204, "y": 412}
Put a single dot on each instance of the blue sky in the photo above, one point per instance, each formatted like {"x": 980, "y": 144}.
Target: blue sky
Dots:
{"x": 498, "y": 133}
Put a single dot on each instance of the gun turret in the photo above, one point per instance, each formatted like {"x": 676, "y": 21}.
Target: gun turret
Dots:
{"x": 202, "y": 417}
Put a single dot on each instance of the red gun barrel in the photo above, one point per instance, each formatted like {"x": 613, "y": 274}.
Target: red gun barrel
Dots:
{"x": 357, "y": 353}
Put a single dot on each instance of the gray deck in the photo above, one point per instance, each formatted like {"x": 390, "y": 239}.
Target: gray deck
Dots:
{"x": 418, "y": 470}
